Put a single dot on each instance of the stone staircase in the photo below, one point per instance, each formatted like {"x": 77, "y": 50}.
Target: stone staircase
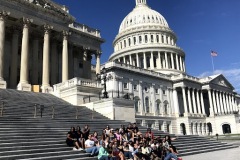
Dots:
{"x": 24, "y": 134}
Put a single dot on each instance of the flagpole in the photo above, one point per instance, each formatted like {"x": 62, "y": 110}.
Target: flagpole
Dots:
{"x": 212, "y": 63}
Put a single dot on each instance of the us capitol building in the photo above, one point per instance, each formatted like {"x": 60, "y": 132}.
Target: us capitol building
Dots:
{"x": 44, "y": 49}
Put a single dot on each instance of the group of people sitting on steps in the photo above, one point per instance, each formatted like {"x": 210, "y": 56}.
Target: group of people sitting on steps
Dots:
{"x": 122, "y": 143}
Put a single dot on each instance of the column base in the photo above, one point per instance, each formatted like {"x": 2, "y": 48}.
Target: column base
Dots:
{"x": 3, "y": 84}
{"x": 47, "y": 89}
{"x": 24, "y": 87}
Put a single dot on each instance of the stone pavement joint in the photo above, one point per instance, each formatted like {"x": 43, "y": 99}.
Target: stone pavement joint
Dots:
{"x": 228, "y": 154}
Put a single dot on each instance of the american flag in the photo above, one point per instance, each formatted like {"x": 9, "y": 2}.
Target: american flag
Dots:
{"x": 214, "y": 54}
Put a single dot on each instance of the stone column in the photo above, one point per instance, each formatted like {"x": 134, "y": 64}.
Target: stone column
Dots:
{"x": 23, "y": 84}
{"x": 202, "y": 102}
{"x": 198, "y": 103}
{"x": 130, "y": 60}
{"x": 166, "y": 61}
{"x": 175, "y": 102}
{"x": 164, "y": 39}
{"x": 233, "y": 103}
{"x": 210, "y": 102}
{"x": 14, "y": 59}
{"x": 169, "y": 90}
{"x": 177, "y": 61}
{"x": 221, "y": 102}
{"x": 194, "y": 101}
{"x": 98, "y": 64}
{"x": 214, "y": 103}
{"x": 144, "y": 61}
{"x": 160, "y": 60}
{"x": 230, "y": 103}
{"x": 184, "y": 68}
{"x": 181, "y": 64}
{"x": 227, "y": 101}
{"x": 124, "y": 59}
{"x": 172, "y": 61}
{"x": 152, "y": 61}
{"x": 46, "y": 59}
{"x": 54, "y": 63}
{"x": 65, "y": 56}
{"x": 137, "y": 59}
{"x": 184, "y": 101}
{"x": 189, "y": 102}
{"x": 224, "y": 103}
{"x": 71, "y": 62}
{"x": 141, "y": 98}
{"x": 3, "y": 16}
{"x": 218, "y": 103}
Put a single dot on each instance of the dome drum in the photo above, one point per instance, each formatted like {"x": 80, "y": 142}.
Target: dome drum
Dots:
{"x": 146, "y": 41}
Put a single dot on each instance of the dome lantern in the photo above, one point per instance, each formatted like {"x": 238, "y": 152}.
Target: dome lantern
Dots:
{"x": 141, "y": 2}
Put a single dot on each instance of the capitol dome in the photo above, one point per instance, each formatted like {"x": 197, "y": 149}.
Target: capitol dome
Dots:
{"x": 145, "y": 41}
{"x": 141, "y": 15}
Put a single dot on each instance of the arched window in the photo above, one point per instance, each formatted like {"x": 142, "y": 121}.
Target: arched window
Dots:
{"x": 136, "y": 104}
{"x": 165, "y": 107}
{"x": 226, "y": 129}
{"x": 158, "y": 106}
{"x": 147, "y": 104}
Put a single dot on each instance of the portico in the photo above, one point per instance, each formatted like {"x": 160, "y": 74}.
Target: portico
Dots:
{"x": 44, "y": 51}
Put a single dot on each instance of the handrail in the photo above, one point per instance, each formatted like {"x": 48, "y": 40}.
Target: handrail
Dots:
{"x": 53, "y": 112}
{"x": 2, "y": 107}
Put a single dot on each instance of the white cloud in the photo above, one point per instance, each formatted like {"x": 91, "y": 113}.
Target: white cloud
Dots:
{"x": 233, "y": 76}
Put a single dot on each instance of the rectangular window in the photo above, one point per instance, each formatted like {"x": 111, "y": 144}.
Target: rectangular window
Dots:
{"x": 135, "y": 87}
{"x": 125, "y": 85}
{"x": 164, "y": 92}
{"x": 146, "y": 39}
{"x": 156, "y": 91}
{"x": 140, "y": 39}
{"x": 152, "y": 38}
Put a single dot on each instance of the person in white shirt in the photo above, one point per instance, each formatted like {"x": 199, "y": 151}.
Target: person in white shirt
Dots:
{"x": 90, "y": 146}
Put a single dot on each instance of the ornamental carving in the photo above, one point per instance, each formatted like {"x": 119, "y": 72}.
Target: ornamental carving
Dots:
{"x": 4, "y": 15}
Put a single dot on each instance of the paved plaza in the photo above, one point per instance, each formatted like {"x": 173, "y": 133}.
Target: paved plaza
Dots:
{"x": 229, "y": 154}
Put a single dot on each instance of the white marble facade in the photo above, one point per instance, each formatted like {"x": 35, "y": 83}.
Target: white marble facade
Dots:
{"x": 149, "y": 67}
{"x": 42, "y": 44}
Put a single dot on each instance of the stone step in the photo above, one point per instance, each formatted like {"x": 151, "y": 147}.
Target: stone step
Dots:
{"x": 206, "y": 150}
{"x": 47, "y": 155}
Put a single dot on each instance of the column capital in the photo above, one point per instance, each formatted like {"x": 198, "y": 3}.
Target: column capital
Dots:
{"x": 4, "y": 15}
{"x": 98, "y": 53}
{"x": 47, "y": 28}
{"x": 26, "y": 22}
{"x": 66, "y": 34}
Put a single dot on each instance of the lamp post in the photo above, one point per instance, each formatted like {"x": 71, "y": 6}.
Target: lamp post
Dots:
{"x": 103, "y": 77}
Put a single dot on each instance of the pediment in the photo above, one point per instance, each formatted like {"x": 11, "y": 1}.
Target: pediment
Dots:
{"x": 50, "y": 5}
{"x": 221, "y": 81}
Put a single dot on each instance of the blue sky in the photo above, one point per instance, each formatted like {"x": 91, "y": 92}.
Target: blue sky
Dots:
{"x": 200, "y": 25}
